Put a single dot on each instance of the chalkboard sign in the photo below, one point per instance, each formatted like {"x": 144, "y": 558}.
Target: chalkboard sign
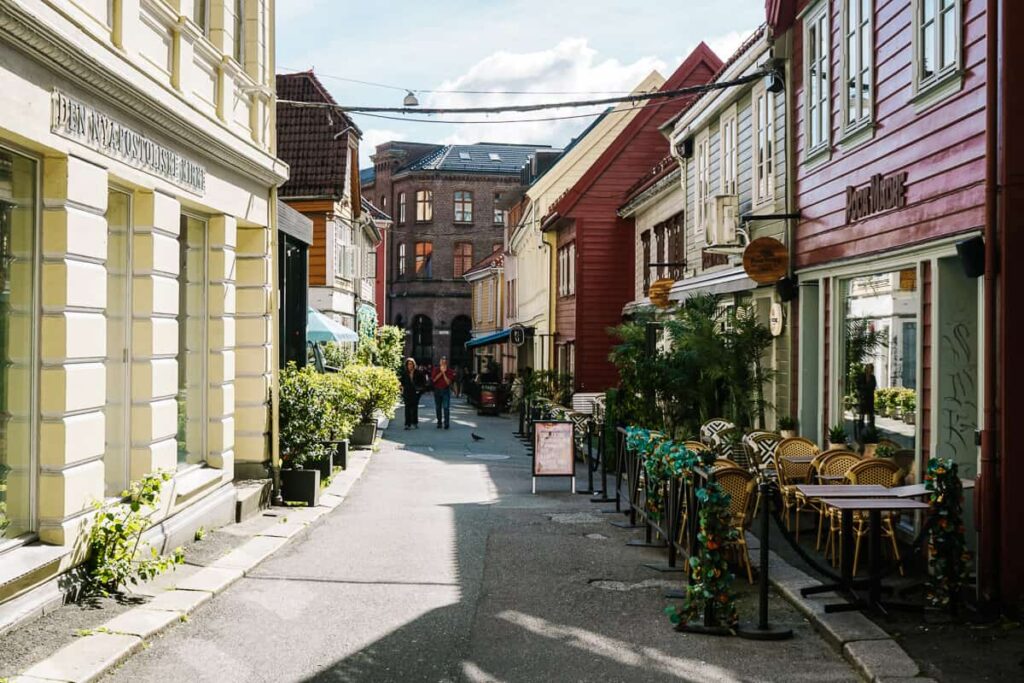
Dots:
{"x": 553, "y": 450}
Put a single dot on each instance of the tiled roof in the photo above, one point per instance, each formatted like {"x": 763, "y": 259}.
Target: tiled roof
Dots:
{"x": 495, "y": 258}
{"x": 372, "y": 209}
{"x": 483, "y": 157}
{"x": 367, "y": 175}
{"x": 305, "y": 138}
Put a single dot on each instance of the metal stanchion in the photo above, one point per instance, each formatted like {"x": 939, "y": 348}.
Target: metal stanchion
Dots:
{"x": 764, "y": 630}
{"x": 601, "y": 452}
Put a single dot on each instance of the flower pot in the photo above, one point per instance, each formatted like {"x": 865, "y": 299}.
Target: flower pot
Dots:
{"x": 324, "y": 465}
{"x": 869, "y": 450}
{"x": 909, "y": 418}
{"x": 829, "y": 445}
{"x": 788, "y": 433}
{"x": 301, "y": 486}
{"x": 363, "y": 435}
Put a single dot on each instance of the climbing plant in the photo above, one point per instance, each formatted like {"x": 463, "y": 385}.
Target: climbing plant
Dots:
{"x": 948, "y": 557}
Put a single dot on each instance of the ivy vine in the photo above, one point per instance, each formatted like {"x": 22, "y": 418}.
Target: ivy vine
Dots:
{"x": 948, "y": 557}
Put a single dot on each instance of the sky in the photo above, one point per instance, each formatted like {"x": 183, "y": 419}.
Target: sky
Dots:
{"x": 553, "y": 50}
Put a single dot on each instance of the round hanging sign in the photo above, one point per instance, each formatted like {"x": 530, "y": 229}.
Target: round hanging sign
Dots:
{"x": 765, "y": 260}
{"x": 659, "y": 291}
{"x": 775, "y": 319}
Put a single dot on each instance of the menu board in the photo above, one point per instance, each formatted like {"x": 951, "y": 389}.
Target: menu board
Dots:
{"x": 553, "y": 450}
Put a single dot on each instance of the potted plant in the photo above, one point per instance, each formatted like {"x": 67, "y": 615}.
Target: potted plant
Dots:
{"x": 836, "y": 437}
{"x": 364, "y": 392}
{"x": 869, "y": 441}
{"x": 882, "y": 402}
{"x": 306, "y": 416}
{"x": 908, "y": 404}
{"x": 885, "y": 450}
{"x": 787, "y": 427}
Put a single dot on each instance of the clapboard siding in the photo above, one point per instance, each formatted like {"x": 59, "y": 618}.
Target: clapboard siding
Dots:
{"x": 942, "y": 148}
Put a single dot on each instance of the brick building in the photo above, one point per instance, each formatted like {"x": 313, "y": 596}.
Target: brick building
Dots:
{"x": 443, "y": 200}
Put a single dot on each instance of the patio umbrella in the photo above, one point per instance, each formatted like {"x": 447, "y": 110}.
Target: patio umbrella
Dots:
{"x": 320, "y": 328}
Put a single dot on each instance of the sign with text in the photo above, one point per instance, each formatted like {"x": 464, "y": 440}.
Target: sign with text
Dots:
{"x": 81, "y": 123}
{"x": 765, "y": 260}
{"x": 517, "y": 334}
{"x": 553, "y": 449}
{"x": 882, "y": 193}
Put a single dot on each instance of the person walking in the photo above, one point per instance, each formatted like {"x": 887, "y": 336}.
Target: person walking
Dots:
{"x": 409, "y": 378}
{"x": 866, "y": 387}
{"x": 441, "y": 379}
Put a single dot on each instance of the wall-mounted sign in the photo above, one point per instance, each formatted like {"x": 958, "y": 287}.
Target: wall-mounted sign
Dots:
{"x": 765, "y": 260}
{"x": 658, "y": 292}
{"x": 79, "y": 122}
{"x": 776, "y": 319}
{"x": 517, "y": 335}
{"x": 553, "y": 451}
{"x": 882, "y": 193}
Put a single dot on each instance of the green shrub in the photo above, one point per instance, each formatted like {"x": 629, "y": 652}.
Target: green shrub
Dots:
{"x": 908, "y": 401}
{"x": 337, "y": 355}
{"x": 885, "y": 451}
{"x": 363, "y": 390}
{"x": 787, "y": 424}
{"x": 114, "y": 559}
{"x": 307, "y": 410}
{"x": 837, "y": 434}
{"x": 390, "y": 344}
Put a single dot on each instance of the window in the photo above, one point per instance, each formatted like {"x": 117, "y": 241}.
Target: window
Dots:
{"x": 499, "y": 213}
{"x": 703, "y": 155}
{"x": 817, "y": 89}
{"x": 763, "y": 115}
{"x": 510, "y": 298}
{"x": 240, "y": 31}
{"x": 727, "y": 148}
{"x": 424, "y": 206}
{"x": 463, "y": 206}
{"x": 676, "y": 253}
{"x": 344, "y": 251}
{"x": 937, "y": 28}
{"x": 478, "y": 302}
{"x": 370, "y": 268}
{"x": 857, "y": 63}
{"x": 659, "y": 248}
{"x": 494, "y": 156}
{"x": 645, "y": 241}
{"x": 463, "y": 257}
{"x": 567, "y": 270}
{"x": 424, "y": 252}
{"x": 193, "y": 343}
{"x": 401, "y": 208}
{"x": 401, "y": 259}
{"x": 465, "y": 156}
{"x": 201, "y": 14}
{"x": 118, "y": 361}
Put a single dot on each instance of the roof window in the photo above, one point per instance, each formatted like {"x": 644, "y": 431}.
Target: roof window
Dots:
{"x": 464, "y": 156}
{"x": 494, "y": 156}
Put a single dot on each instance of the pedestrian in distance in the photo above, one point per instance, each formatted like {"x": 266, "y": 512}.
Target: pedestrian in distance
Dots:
{"x": 442, "y": 378}
{"x": 866, "y": 386}
{"x": 411, "y": 390}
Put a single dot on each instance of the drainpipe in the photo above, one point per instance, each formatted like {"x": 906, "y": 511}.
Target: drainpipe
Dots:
{"x": 989, "y": 495}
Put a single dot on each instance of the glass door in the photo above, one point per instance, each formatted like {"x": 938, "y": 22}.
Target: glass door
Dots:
{"x": 18, "y": 216}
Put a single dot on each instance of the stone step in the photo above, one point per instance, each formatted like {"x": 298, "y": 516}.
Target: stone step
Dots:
{"x": 252, "y": 497}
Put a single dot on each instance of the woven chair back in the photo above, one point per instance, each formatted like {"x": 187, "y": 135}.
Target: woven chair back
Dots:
{"x": 712, "y": 427}
{"x": 739, "y": 484}
{"x": 791, "y": 472}
{"x": 696, "y": 446}
{"x": 874, "y": 471}
{"x": 796, "y": 445}
{"x": 763, "y": 444}
{"x": 724, "y": 463}
{"x": 838, "y": 463}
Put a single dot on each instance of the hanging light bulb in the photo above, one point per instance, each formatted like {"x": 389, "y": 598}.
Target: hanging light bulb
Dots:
{"x": 410, "y": 100}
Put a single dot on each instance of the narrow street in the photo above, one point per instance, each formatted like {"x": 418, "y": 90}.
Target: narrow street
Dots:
{"x": 441, "y": 566}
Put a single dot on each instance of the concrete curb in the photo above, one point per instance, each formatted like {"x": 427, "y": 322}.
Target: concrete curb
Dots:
{"x": 94, "y": 654}
{"x": 868, "y": 648}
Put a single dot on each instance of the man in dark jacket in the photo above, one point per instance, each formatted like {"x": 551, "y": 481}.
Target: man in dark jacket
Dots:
{"x": 410, "y": 380}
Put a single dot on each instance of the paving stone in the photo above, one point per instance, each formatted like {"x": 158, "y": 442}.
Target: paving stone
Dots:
{"x": 845, "y": 627}
{"x": 286, "y": 530}
{"x": 29, "y": 679}
{"x": 329, "y": 500}
{"x": 180, "y": 602}
{"x": 304, "y": 515}
{"x": 878, "y": 658}
{"x": 920, "y": 679}
{"x": 141, "y": 622}
{"x": 166, "y": 581}
{"x": 250, "y": 553}
{"x": 211, "y": 580}
{"x": 86, "y": 658}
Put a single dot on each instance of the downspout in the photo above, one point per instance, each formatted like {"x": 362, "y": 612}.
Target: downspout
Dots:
{"x": 989, "y": 496}
{"x": 275, "y": 296}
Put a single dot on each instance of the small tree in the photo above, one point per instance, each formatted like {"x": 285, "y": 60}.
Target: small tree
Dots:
{"x": 307, "y": 415}
{"x": 390, "y": 343}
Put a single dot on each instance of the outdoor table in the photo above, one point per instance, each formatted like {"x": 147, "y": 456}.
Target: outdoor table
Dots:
{"x": 874, "y": 507}
{"x": 915, "y": 490}
{"x": 799, "y": 459}
{"x": 831, "y": 477}
{"x": 844, "y": 490}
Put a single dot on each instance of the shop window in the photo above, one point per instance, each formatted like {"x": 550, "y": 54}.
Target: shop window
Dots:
{"x": 19, "y": 207}
{"x": 424, "y": 206}
{"x": 877, "y": 379}
{"x": 463, "y": 206}
{"x": 858, "y": 66}
{"x": 463, "y": 257}
{"x": 424, "y": 256}
{"x": 193, "y": 342}
{"x": 817, "y": 87}
{"x": 118, "y": 361}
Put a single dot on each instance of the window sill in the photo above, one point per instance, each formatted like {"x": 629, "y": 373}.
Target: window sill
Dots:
{"x": 857, "y": 136}
{"x": 193, "y": 481}
{"x": 816, "y": 157}
{"x": 937, "y": 90}
{"x": 30, "y": 559}
{"x": 465, "y": 223}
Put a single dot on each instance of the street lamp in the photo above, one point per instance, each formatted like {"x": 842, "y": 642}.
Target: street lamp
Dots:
{"x": 410, "y": 100}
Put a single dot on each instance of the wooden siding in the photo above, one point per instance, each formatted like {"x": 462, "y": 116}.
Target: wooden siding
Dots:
{"x": 942, "y": 148}
{"x": 565, "y": 306}
{"x": 317, "y": 211}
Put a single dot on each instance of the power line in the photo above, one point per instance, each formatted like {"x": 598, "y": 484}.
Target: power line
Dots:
{"x": 485, "y": 121}
{"x": 658, "y": 95}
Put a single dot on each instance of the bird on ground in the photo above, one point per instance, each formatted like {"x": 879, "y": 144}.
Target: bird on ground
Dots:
{"x": 476, "y": 437}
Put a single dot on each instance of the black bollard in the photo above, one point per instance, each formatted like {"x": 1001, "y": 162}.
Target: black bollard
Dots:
{"x": 764, "y": 630}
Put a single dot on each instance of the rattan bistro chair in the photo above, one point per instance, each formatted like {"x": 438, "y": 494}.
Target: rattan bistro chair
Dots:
{"x": 696, "y": 446}
{"x": 792, "y": 474}
{"x": 739, "y": 484}
{"x": 883, "y": 473}
{"x": 724, "y": 464}
{"x": 762, "y": 445}
{"x": 835, "y": 464}
{"x": 712, "y": 427}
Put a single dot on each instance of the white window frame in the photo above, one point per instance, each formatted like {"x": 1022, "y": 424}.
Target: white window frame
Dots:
{"x": 728, "y": 151}
{"x": 401, "y": 259}
{"x": 462, "y": 206}
{"x": 702, "y": 189}
{"x": 763, "y": 147}
{"x": 424, "y": 200}
{"x": 945, "y": 79}
{"x": 572, "y": 268}
{"x": 819, "y": 103}
{"x": 864, "y": 61}
{"x": 401, "y": 208}
{"x": 499, "y": 214}
{"x": 204, "y": 24}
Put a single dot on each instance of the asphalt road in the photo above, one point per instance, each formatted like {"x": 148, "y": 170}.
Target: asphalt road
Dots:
{"x": 441, "y": 566}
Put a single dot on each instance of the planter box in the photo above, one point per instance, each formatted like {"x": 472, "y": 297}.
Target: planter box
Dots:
{"x": 363, "y": 435}
{"x": 325, "y": 465}
{"x": 869, "y": 450}
{"x": 301, "y": 486}
{"x": 788, "y": 433}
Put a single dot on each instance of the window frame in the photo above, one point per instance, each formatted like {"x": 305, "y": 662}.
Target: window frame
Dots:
{"x": 204, "y": 370}
{"x": 204, "y": 25}
{"x": 401, "y": 208}
{"x": 427, "y": 270}
{"x": 462, "y": 206}
{"x": 945, "y": 80}
{"x": 818, "y": 19}
{"x": 728, "y": 151}
{"x": 645, "y": 259}
{"x": 499, "y": 214}
{"x": 762, "y": 137}
{"x": 424, "y": 201}
{"x": 702, "y": 189}
{"x": 865, "y": 63}
{"x": 465, "y": 260}
{"x": 113, "y": 488}
{"x": 238, "y": 48}
{"x": 401, "y": 259}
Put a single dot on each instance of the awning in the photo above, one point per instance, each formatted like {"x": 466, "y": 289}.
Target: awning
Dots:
{"x": 488, "y": 339}
{"x": 320, "y": 328}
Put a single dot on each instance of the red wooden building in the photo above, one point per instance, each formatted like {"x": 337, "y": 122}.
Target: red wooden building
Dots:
{"x": 595, "y": 261}
{"x": 905, "y": 165}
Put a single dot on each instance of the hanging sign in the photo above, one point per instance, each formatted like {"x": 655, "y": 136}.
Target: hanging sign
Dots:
{"x": 765, "y": 260}
{"x": 659, "y": 291}
{"x": 775, "y": 319}
{"x": 553, "y": 448}
{"x": 517, "y": 334}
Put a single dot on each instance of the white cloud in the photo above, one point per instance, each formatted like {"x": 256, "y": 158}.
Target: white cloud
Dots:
{"x": 371, "y": 138}
{"x": 724, "y": 45}
{"x": 571, "y": 66}
{"x": 289, "y": 10}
